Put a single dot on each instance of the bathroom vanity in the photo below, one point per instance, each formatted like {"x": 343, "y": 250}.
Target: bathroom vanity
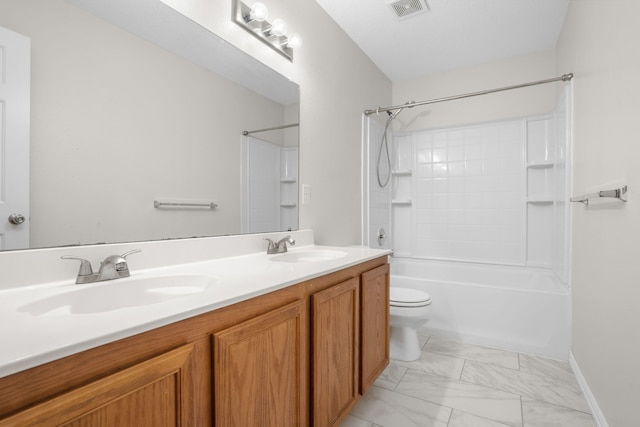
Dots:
{"x": 299, "y": 355}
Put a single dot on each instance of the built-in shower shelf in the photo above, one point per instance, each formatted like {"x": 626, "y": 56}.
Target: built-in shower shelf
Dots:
{"x": 540, "y": 200}
{"x": 401, "y": 172}
{"x": 288, "y": 204}
{"x": 401, "y": 202}
{"x": 540, "y": 165}
{"x": 288, "y": 180}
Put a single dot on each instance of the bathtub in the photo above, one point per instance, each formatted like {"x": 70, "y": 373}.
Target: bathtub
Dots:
{"x": 521, "y": 309}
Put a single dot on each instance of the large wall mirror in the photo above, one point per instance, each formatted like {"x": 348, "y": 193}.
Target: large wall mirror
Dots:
{"x": 132, "y": 103}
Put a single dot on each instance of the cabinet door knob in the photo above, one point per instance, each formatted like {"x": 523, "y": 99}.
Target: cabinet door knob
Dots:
{"x": 16, "y": 219}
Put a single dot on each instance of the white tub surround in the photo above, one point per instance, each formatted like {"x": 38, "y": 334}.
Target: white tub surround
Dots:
{"x": 478, "y": 217}
{"x": 236, "y": 268}
{"x": 516, "y": 308}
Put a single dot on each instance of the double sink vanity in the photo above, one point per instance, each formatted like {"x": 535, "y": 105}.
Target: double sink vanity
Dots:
{"x": 238, "y": 337}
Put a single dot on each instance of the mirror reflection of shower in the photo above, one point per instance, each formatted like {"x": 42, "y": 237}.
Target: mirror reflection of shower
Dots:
{"x": 270, "y": 180}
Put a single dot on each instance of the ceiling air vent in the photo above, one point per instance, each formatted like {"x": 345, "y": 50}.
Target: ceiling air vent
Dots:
{"x": 407, "y": 8}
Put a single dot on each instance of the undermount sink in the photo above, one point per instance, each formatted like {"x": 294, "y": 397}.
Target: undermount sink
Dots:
{"x": 121, "y": 293}
{"x": 314, "y": 255}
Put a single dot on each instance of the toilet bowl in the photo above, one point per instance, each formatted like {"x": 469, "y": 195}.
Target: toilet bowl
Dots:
{"x": 409, "y": 309}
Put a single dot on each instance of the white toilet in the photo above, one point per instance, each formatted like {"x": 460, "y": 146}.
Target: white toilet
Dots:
{"x": 409, "y": 309}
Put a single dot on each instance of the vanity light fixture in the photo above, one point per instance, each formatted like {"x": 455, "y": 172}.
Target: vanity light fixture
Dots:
{"x": 273, "y": 34}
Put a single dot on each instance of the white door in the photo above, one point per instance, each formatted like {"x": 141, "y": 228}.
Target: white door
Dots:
{"x": 15, "y": 79}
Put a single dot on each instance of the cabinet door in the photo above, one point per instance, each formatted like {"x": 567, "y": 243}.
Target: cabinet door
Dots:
{"x": 157, "y": 392}
{"x": 258, "y": 370}
{"x": 375, "y": 325}
{"x": 335, "y": 351}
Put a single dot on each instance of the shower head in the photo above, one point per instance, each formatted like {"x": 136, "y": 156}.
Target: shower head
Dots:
{"x": 393, "y": 115}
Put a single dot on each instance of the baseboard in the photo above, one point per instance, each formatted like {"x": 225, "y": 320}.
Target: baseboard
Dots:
{"x": 598, "y": 416}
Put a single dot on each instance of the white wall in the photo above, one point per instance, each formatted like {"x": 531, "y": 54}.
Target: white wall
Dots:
{"x": 599, "y": 43}
{"x": 498, "y": 106}
{"x": 337, "y": 83}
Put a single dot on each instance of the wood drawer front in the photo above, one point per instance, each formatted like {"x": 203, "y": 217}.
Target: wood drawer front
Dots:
{"x": 156, "y": 392}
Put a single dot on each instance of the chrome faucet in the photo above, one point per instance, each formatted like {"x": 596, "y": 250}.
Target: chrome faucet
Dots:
{"x": 113, "y": 267}
{"x": 281, "y": 246}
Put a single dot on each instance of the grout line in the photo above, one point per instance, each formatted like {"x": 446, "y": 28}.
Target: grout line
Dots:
{"x": 402, "y": 377}
{"x": 464, "y": 364}
{"x": 450, "y": 415}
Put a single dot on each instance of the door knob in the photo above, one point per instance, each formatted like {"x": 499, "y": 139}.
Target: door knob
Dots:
{"x": 16, "y": 219}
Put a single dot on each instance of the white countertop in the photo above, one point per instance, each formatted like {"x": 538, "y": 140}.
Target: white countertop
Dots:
{"x": 31, "y": 337}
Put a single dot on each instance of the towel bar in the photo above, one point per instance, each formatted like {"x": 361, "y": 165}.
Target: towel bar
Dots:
{"x": 208, "y": 205}
{"x": 617, "y": 193}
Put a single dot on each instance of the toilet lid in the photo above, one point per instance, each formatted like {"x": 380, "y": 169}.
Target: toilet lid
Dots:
{"x": 406, "y": 297}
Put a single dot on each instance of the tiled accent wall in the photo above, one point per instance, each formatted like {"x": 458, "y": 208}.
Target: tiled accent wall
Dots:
{"x": 468, "y": 193}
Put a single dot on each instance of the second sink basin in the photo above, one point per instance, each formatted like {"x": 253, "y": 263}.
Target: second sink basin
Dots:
{"x": 121, "y": 293}
{"x": 313, "y": 255}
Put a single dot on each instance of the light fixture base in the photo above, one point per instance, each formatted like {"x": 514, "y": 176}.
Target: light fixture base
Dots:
{"x": 260, "y": 30}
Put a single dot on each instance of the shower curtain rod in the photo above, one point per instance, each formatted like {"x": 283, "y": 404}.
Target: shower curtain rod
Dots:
{"x": 247, "y": 132}
{"x": 411, "y": 104}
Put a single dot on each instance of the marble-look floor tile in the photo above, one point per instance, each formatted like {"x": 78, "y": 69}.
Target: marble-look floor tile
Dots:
{"x": 547, "y": 367}
{"x": 351, "y": 421}
{"x": 388, "y": 408}
{"x": 391, "y": 376}
{"x": 490, "y": 355}
{"x": 544, "y": 388}
{"x": 540, "y": 414}
{"x": 472, "y": 398}
{"x": 435, "y": 363}
{"x": 464, "y": 419}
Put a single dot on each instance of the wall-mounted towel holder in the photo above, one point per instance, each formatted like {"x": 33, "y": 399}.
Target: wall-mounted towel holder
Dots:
{"x": 208, "y": 205}
{"x": 617, "y": 193}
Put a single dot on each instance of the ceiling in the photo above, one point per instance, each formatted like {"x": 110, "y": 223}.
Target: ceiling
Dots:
{"x": 450, "y": 34}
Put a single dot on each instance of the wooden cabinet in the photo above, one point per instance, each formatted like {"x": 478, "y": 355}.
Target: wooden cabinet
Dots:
{"x": 299, "y": 356}
{"x": 374, "y": 333}
{"x": 259, "y": 370}
{"x": 334, "y": 342}
{"x": 349, "y": 339}
{"x": 157, "y": 392}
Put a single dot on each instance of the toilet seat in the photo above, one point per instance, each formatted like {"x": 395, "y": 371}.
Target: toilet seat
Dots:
{"x": 406, "y": 297}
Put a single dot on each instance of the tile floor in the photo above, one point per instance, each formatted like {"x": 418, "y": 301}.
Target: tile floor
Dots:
{"x": 461, "y": 385}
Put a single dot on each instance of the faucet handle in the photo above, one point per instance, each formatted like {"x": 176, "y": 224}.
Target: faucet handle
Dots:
{"x": 272, "y": 246}
{"x": 85, "y": 265}
{"x": 134, "y": 251}
{"x": 85, "y": 274}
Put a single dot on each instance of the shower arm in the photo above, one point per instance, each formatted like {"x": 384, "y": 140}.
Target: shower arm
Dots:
{"x": 565, "y": 78}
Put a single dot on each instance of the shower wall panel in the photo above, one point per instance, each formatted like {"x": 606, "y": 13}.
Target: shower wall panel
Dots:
{"x": 379, "y": 197}
{"x": 468, "y": 193}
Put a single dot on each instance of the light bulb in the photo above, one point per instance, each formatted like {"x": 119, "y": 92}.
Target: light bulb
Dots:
{"x": 259, "y": 12}
{"x": 294, "y": 41}
{"x": 278, "y": 28}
